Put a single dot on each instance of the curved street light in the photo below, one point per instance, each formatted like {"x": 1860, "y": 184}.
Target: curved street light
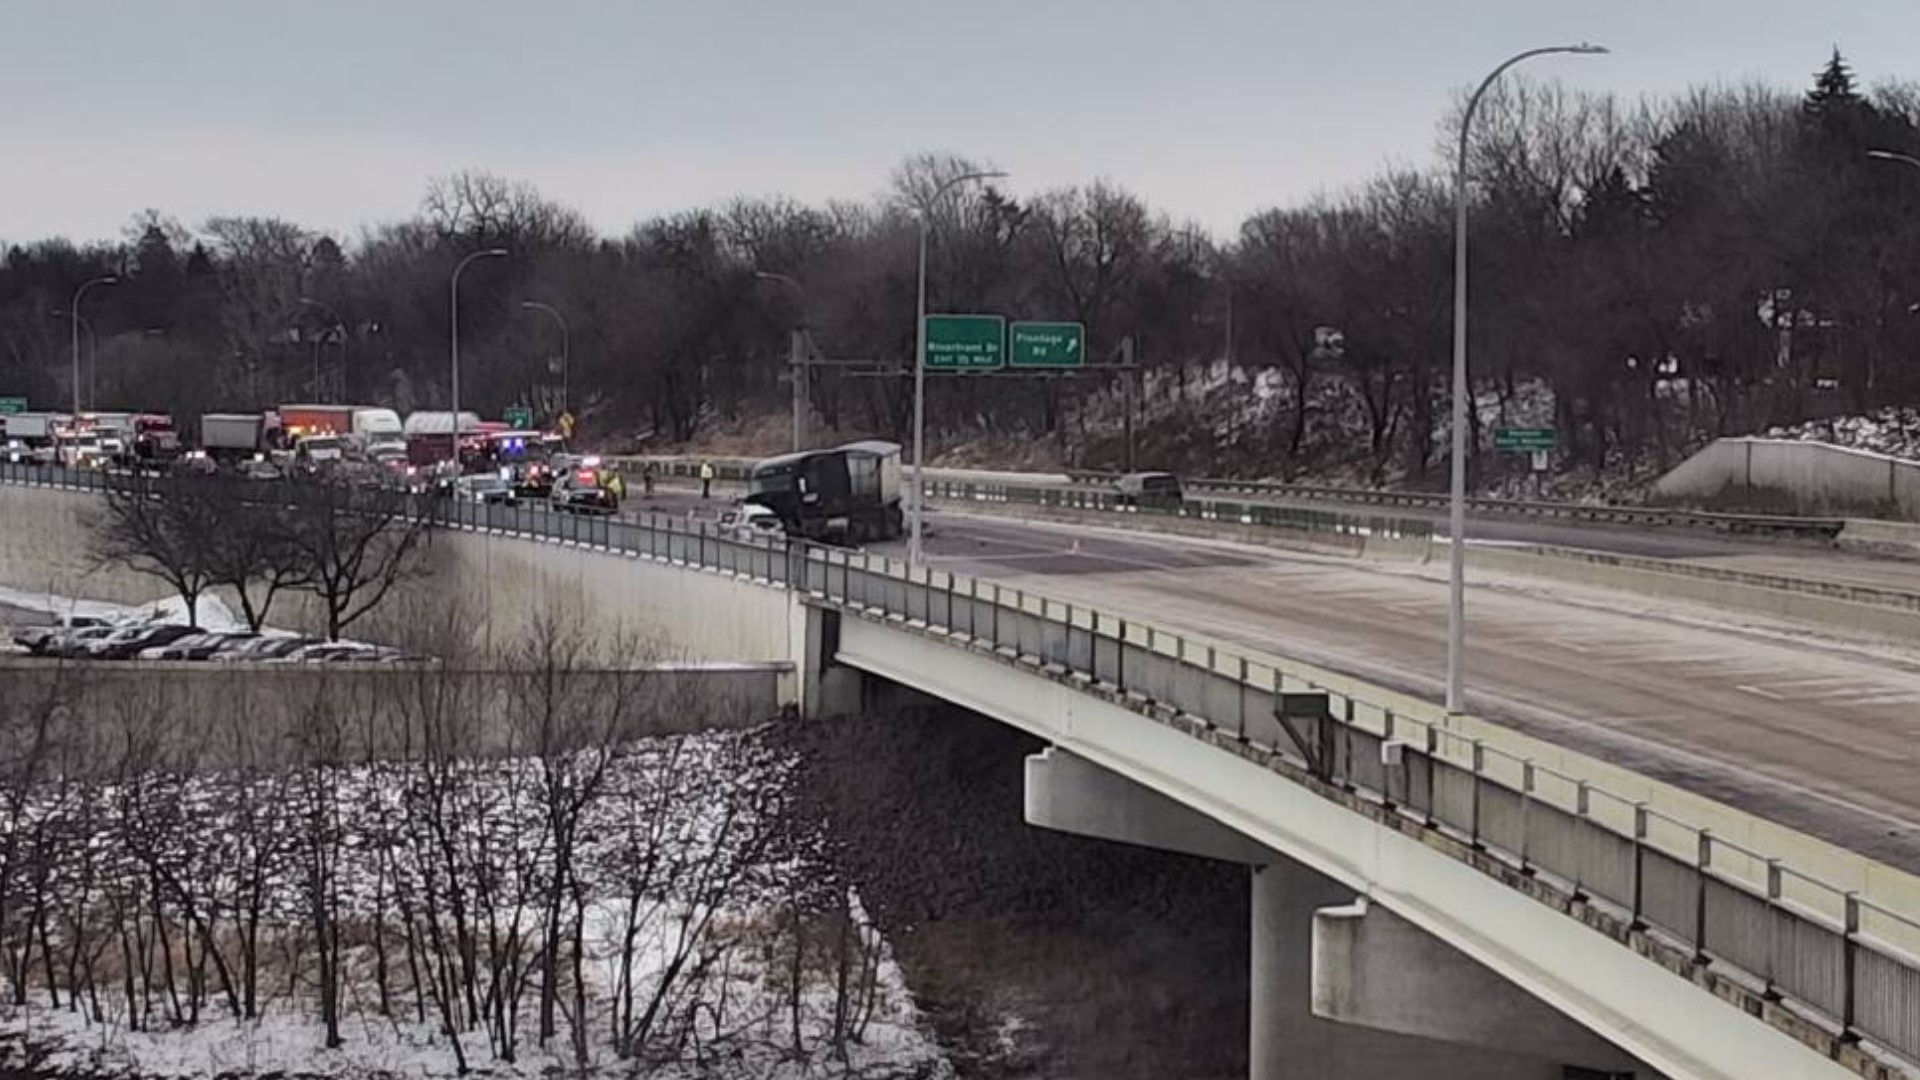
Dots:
{"x": 1895, "y": 155}
{"x": 453, "y": 327}
{"x": 914, "y": 551}
{"x": 1457, "y": 508}
{"x": 566, "y": 344}
{"x": 74, "y": 310}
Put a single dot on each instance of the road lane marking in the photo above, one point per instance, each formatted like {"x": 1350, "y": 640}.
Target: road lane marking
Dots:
{"x": 1760, "y": 691}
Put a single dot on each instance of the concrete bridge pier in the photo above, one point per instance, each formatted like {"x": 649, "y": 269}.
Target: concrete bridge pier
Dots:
{"x": 1287, "y": 1039}
{"x": 831, "y": 688}
{"x": 1373, "y": 968}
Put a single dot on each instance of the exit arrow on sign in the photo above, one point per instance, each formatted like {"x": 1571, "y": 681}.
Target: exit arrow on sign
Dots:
{"x": 1046, "y": 344}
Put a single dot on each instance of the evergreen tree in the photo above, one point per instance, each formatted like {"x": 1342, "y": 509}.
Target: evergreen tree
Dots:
{"x": 1833, "y": 88}
{"x": 153, "y": 257}
{"x": 199, "y": 262}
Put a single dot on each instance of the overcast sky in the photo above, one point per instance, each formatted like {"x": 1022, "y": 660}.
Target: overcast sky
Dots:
{"x": 336, "y": 113}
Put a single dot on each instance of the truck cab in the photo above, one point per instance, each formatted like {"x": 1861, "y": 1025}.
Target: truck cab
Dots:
{"x": 850, "y": 494}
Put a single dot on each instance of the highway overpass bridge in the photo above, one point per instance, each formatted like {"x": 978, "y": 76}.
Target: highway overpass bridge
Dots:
{"x": 1430, "y": 892}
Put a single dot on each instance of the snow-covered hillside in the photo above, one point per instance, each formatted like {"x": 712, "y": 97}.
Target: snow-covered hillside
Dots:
{"x": 170, "y": 925}
{"x": 1892, "y": 431}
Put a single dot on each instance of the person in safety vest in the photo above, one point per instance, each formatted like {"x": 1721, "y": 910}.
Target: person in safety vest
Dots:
{"x": 706, "y": 479}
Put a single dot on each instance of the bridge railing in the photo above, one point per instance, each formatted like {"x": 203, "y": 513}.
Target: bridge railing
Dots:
{"x": 1785, "y": 930}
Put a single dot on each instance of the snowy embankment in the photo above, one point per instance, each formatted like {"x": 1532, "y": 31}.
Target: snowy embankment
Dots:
{"x": 1892, "y": 431}
{"x": 646, "y": 904}
{"x": 213, "y": 614}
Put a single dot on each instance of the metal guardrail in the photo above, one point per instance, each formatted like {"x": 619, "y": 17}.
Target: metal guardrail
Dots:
{"x": 1268, "y": 515}
{"x": 734, "y": 469}
{"x": 1264, "y": 515}
{"x": 1784, "y": 931}
{"x": 1584, "y": 513}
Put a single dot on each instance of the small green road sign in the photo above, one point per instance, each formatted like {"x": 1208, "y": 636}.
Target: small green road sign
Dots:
{"x": 966, "y": 342}
{"x": 1521, "y": 440}
{"x": 12, "y": 405}
{"x": 1046, "y": 344}
{"x": 519, "y": 417}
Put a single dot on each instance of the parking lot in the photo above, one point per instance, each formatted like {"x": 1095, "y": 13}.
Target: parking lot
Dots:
{"x": 127, "y": 637}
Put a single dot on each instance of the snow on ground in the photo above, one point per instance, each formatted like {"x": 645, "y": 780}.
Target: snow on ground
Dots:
{"x": 214, "y": 615}
{"x": 683, "y": 811}
{"x": 893, "y": 1041}
{"x": 1893, "y": 431}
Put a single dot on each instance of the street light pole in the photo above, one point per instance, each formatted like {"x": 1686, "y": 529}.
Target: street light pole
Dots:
{"x": 74, "y": 310}
{"x": 566, "y": 344}
{"x": 795, "y": 357}
{"x": 453, "y": 326}
{"x": 341, "y": 327}
{"x": 919, "y": 493}
{"x": 1457, "y": 503}
{"x": 1897, "y": 158}
{"x": 92, "y": 352}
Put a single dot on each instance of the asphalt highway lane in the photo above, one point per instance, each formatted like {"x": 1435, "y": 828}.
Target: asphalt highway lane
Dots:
{"x": 1819, "y": 734}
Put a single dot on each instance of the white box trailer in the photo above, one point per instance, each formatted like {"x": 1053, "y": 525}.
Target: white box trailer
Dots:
{"x": 32, "y": 427}
{"x": 232, "y": 434}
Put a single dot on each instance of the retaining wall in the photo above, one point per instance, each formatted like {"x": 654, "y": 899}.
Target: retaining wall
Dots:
{"x": 201, "y": 716}
{"x": 1845, "y": 608}
{"x": 495, "y": 586}
{"x": 1814, "y": 477}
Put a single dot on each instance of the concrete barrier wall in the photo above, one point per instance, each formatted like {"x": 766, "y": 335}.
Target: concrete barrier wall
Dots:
{"x": 1897, "y": 538}
{"x": 1876, "y": 612}
{"x": 1199, "y": 528}
{"x": 501, "y": 584}
{"x": 216, "y": 715}
{"x": 45, "y": 543}
{"x": 670, "y": 612}
{"x": 1814, "y": 477}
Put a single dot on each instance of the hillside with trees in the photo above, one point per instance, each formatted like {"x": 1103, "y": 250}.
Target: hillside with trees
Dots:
{"x": 1646, "y": 275}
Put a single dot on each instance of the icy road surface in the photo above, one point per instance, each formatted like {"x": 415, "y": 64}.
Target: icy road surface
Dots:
{"x": 1817, "y": 733}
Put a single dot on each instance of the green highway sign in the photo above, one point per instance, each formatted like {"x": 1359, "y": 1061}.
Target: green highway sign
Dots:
{"x": 1046, "y": 344}
{"x": 12, "y": 405}
{"x": 1520, "y": 440}
{"x": 966, "y": 342}
{"x": 518, "y": 417}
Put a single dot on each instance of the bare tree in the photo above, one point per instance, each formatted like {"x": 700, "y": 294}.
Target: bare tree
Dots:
{"x": 161, "y": 528}
{"x": 254, "y": 552}
{"x": 479, "y": 207}
{"x": 353, "y": 546}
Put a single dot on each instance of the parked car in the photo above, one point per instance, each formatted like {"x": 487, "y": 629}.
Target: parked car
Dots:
{"x": 34, "y": 638}
{"x": 71, "y": 643}
{"x": 259, "y": 648}
{"x": 358, "y": 652}
{"x": 1152, "y": 489}
{"x": 193, "y": 646}
{"x": 126, "y": 642}
{"x": 579, "y": 491}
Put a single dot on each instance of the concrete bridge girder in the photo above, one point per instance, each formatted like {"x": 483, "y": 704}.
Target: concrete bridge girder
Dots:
{"x": 1451, "y": 1017}
{"x": 1681, "y": 1029}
